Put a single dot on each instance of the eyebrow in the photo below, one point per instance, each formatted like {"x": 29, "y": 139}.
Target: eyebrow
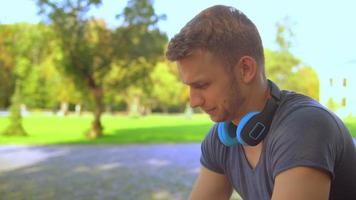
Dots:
{"x": 196, "y": 83}
{"x": 198, "y": 80}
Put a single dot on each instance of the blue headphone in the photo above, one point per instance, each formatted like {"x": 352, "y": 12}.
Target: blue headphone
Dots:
{"x": 254, "y": 126}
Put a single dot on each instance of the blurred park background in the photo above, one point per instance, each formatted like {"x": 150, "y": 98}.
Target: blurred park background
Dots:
{"x": 94, "y": 72}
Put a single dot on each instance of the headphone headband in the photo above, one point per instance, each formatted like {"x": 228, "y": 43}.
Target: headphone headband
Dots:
{"x": 275, "y": 92}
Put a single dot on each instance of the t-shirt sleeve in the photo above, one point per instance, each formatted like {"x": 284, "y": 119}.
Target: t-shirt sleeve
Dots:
{"x": 306, "y": 137}
{"x": 213, "y": 152}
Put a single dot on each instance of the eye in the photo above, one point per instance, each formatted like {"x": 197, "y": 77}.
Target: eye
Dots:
{"x": 201, "y": 85}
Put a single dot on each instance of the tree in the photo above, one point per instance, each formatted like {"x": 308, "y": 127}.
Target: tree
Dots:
{"x": 46, "y": 87}
{"x": 288, "y": 71}
{"x": 7, "y": 62}
{"x": 285, "y": 35}
{"x": 139, "y": 45}
{"x": 86, "y": 48}
{"x": 168, "y": 91}
{"x": 94, "y": 54}
{"x": 26, "y": 44}
{"x": 161, "y": 91}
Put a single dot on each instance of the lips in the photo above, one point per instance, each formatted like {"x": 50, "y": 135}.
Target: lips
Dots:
{"x": 210, "y": 111}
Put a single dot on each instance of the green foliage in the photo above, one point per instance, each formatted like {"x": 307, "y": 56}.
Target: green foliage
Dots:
{"x": 291, "y": 74}
{"x": 92, "y": 54}
{"x": 85, "y": 47}
{"x": 7, "y": 62}
{"x": 24, "y": 49}
{"x": 350, "y": 123}
{"x": 288, "y": 71}
{"x": 6, "y": 87}
{"x": 30, "y": 55}
{"x": 280, "y": 66}
{"x": 139, "y": 36}
{"x": 78, "y": 60}
{"x": 332, "y": 105}
{"x": 285, "y": 34}
{"x": 161, "y": 92}
{"x": 139, "y": 45}
{"x": 167, "y": 90}
{"x": 307, "y": 82}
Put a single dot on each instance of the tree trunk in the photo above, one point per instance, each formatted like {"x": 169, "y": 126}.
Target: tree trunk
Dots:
{"x": 165, "y": 109}
{"x": 109, "y": 109}
{"x": 147, "y": 110}
{"x": 63, "y": 110}
{"x": 134, "y": 107}
{"x": 78, "y": 109}
{"x": 15, "y": 127}
{"x": 97, "y": 129}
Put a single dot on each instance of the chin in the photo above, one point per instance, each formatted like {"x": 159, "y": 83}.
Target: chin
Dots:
{"x": 216, "y": 118}
{"x": 221, "y": 117}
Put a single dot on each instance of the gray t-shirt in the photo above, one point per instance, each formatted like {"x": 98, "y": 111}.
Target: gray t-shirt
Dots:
{"x": 303, "y": 133}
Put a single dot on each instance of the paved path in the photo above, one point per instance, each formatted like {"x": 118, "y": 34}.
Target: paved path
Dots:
{"x": 83, "y": 172}
{"x": 98, "y": 172}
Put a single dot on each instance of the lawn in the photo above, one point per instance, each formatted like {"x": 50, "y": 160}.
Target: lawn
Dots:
{"x": 118, "y": 129}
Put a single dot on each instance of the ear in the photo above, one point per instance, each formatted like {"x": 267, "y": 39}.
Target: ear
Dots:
{"x": 248, "y": 68}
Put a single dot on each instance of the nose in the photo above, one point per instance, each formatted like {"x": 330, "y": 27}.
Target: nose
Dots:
{"x": 196, "y": 99}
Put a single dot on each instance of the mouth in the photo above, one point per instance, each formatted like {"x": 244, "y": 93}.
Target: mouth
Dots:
{"x": 210, "y": 111}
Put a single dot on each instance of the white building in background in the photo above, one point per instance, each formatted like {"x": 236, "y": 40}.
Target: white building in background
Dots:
{"x": 338, "y": 88}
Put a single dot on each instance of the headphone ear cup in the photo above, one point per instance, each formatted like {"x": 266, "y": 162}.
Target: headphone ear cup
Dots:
{"x": 240, "y": 132}
{"x": 224, "y": 135}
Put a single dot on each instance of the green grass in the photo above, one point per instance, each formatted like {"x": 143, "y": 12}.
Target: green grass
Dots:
{"x": 117, "y": 129}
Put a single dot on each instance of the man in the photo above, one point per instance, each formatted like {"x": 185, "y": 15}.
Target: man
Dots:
{"x": 266, "y": 144}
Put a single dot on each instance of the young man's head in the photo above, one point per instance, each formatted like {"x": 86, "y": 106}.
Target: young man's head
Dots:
{"x": 219, "y": 54}
{"x": 223, "y": 31}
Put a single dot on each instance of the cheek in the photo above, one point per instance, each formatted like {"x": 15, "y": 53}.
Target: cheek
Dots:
{"x": 215, "y": 94}
{"x": 230, "y": 97}
{"x": 219, "y": 92}
{"x": 227, "y": 102}
{"x": 224, "y": 99}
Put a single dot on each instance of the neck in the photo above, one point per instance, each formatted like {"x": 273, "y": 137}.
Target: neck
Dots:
{"x": 256, "y": 96}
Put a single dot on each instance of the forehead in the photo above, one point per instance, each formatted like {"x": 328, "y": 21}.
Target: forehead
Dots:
{"x": 200, "y": 64}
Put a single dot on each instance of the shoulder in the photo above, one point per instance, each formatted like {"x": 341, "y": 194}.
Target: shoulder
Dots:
{"x": 211, "y": 143}
{"x": 304, "y": 133}
{"x": 299, "y": 112}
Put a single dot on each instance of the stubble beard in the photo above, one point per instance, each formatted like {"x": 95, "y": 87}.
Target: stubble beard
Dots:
{"x": 236, "y": 101}
{"x": 231, "y": 104}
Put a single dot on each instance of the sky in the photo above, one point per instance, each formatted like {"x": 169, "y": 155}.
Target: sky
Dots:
{"x": 325, "y": 30}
